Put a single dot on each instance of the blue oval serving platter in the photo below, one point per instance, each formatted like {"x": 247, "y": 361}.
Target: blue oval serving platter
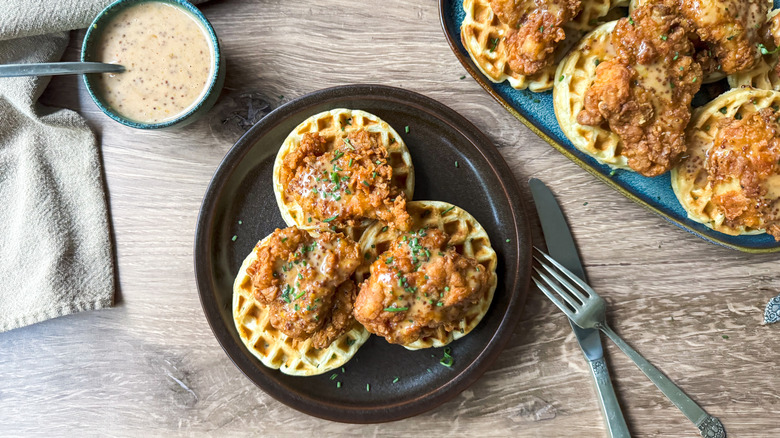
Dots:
{"x": 535, "y": 110}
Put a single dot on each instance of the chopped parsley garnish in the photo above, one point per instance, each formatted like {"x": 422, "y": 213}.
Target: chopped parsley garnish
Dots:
{"x": 395, "y": 380}
{"x": 447, "y": 360}
{"x": 560, "y": 79}
{"x": 493, "y": 44}
{"x": 396, "y": 309}
{"x": 234, "y": 238}
{"x": 406, "y": 129}
{"x": 286, "y": 293}
{"x": 330, "y": 218}
{"x": 765, "y": 51}
{"x": 456, "y": 164}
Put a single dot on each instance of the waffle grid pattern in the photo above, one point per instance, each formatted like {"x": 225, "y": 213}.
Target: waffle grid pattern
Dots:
{"x": 763, "y": 76}
{"x": 575, "y": 74}
{"x": 483, "y": 35}
{"x": 689, "y": 179}
{"x": 469, "y": 239}
{"x": 333, "y": 126}
{"x": 273, "y": 348}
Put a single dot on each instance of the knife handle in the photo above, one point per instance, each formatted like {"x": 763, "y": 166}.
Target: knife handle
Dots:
{"x": 613, "y": 415}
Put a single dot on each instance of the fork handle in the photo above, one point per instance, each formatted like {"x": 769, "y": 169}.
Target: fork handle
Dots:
{"x": 708, "y": 425}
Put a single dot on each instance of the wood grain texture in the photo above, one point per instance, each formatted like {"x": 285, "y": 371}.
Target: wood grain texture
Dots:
{"x": 152, "y": 365}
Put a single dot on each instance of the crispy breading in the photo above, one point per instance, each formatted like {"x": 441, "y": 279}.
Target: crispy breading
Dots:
{"x": 644, "y": 93}
{"x": 744, "y": 156}
{"x": 346, "y": 184}
{"x": 731, "y": 29}
{"x": 535, "y": 30}
{"x": 305, "y": 282}
{"x": 419, "y": 285}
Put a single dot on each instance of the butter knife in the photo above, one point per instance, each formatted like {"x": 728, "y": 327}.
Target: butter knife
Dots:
{"x": 560, "y": 245}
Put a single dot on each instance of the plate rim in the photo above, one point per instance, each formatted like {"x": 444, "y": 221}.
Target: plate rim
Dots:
{"x": 521, "y": 267}
{"x": 468, "y": 64}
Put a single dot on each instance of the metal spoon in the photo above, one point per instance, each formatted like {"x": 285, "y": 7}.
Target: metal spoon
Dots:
{"x": 58, "y": 68}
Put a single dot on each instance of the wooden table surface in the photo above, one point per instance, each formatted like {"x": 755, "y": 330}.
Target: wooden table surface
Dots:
{"x": 152, "y": 364}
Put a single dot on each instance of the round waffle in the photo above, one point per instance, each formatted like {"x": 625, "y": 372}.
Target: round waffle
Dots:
{"x": 763, "y": 75}
{"x": 334, "y": 125}
{"x": 275, "y": 349}
{"x": 690, "y": 180}
{"x": 483, "y": 34}
{"x": 466, "y": 235}
{"x": 575, "y": 75}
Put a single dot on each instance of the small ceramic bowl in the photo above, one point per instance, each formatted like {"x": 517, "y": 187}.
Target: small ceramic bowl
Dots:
{"x": 206, "y": 101}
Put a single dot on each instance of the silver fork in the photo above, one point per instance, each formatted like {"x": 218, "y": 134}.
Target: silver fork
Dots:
{"x": 588, "y": 310}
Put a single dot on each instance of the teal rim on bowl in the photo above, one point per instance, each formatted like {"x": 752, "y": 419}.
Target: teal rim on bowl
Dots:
{"x": 206, "y": 100}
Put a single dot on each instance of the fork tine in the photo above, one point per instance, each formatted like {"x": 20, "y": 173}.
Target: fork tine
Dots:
{"x": 566, "y": 272}
{"x": 561, "y": 292}
{"x": 552, "y": 297}
{"x": 572, "y": 289}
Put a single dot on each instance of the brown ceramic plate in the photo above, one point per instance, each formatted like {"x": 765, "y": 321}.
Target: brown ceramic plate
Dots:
{"x": 383, "y": 382}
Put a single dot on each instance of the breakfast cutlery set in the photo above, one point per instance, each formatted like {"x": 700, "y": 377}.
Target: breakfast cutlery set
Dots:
{"x": 561, "y": 277}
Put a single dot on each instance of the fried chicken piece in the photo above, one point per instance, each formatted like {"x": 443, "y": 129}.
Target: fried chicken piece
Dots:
{"x": 345, "y": 185}
{"x": 731, "y": 27}
{"x": 645, "y": 92}
{"x": 535, "y": 30}
{"x": 419, "y": 286}
{"x": 744, "y": 158}
{"x": 305, "y": 283}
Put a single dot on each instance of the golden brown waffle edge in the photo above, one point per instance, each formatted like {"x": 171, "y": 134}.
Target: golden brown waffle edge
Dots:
{"x": 468, "y": 237}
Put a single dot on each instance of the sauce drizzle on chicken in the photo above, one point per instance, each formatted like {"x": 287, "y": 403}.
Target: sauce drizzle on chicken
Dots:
{"x": 344, "y": 183}
{"x": 418, "y": 286}
{"x": 744, "y": 169}
{"x": 306, "y": 283}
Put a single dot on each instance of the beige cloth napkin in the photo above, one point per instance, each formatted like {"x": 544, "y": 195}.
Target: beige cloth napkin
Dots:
{"x": 55, "y": 250}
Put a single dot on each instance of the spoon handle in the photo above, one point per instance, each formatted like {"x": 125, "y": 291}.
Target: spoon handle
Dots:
{"x": 58, "y": 68}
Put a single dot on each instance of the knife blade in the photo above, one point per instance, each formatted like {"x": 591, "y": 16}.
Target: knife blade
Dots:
{"x": 561, "y": 246}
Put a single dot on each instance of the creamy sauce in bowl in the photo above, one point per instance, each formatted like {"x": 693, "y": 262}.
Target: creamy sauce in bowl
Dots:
{"x": 168, "y": 58}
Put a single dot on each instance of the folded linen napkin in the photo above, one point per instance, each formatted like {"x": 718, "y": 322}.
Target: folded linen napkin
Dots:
{"x": 55, "y": 250}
